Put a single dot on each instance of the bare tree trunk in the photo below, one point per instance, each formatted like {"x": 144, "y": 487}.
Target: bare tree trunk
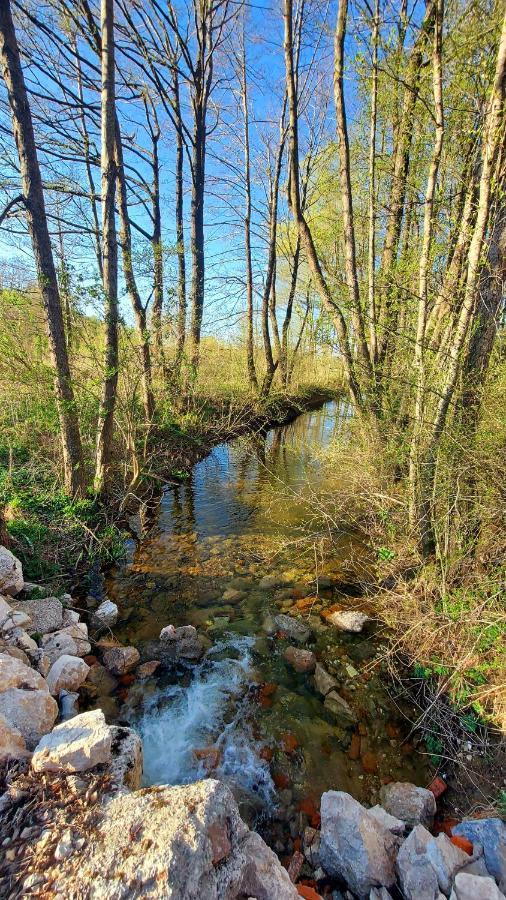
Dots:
{"x": 181, "y": 260}
{"x": 197, "y": 236}
{"x": 125, "y": 240}
{"x": 87, "y": 159}
{"x": 493, "y": 136}
{"x": 346, "y": 194}
{"x": 33, "y": 196}
{"x": 399, "y": 182}
{"x": 419, "y": 355}
{"x": 371, "y": 260}
{"x": 156, "y": 237}
{"x": 304, "y": 230}
{"x": 283, "y": 356}
{"x": 270, "y": 273}
{"x": 109, "y": 250}
{"x": 250, "y": 350}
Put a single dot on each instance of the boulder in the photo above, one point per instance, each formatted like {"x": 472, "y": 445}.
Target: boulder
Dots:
{"x": 414, "y": 805}
{"x": 12, "y": 742}
{"x": 446, "y": 859}
{"x": 15, "y": 674}
{"x": 183, "y": 843}
{"x": 354, "y": 846}
{"x": 19, "y": 638}
{"x": 491, "y": 833}
{"x": 324, "y": 681}
{"x": 78, "y": 631}
{"x": 46, "y": 615}
{"x": 126, "y": 762}
{"x": 11, "y": 573}
{"x": 340, "y": 710}
{"x": 67, "y": 673}
{"x": 417, "y": 877}
{"x": 396, "y": 826}
{"x": 57, "y": 644}
{"x": 16, "y": 652}
{"x": 77, "y": 745}
{"x": 300, "y": 660}
{"x": 120, "y": 660}
{"x": 347, "y": 620}
{"x": 5, "y": 611}
{"x": 32, "y": 712}
{"x": 294, "y": 628}
{"x": 148, "y": 668}
{"x": 473, "y": 887}
{"x": 180, "y": 643}
{"x": 101, "y": 680}
{"x": 380, "y": 894}
{"x": 105, "y": 616}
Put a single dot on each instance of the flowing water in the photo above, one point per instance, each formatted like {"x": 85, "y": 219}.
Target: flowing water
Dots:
{"x": 234, "y": 544}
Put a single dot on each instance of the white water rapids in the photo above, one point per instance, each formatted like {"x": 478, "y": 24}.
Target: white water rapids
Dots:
{"x": 180, "y": 719}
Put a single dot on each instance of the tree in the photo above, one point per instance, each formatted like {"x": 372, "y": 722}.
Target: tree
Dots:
{"x": 34, "y": 204}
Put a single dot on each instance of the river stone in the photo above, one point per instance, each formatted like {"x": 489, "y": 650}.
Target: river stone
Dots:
{"x": 180, "y": 643}
{"x": 446, "y": 859}
{"x": 12, "y": 742}
{"x": 126, "y": 763}
{"x": 232, "y": 595}
{"x": 69, "y": 705}
{"x": 120, "y": 660}
{"x": 472, "y": 887}
{"x": 79, "y": 633}
{"x": 417, "y": 878}
{"x": 396, "y": 826}
{"x": 46, "y": 615}
{"x": 59, "y": 643}
{"x": 77, "y": 745}
{"x": 491, "y": 833}
{"x": 340, "y": 710}
{"x": 67, "y": 673}
{"x": 414, "y": 805}
{"x": 324, "y": 681}
{"x": 32, "y": 712}
{"x": 380, "y": 894}
{"x": 15, "y": 674}
{"x": 11, "y": 573}
{"x": 19, "y": 638}
{"x": 354, "y": 846}
{"x": 300, "y": 660}
{"x": 105, "y": 616}
{"x": 103, "y": 682}
{"x": 295, "y": 629}
{"x": 147, "y": 669}
{"x": 347, "y": 620}
{"x": 5, "y": 611}
{"x": 174, "y": 843}
{"x": 16, "y": 652}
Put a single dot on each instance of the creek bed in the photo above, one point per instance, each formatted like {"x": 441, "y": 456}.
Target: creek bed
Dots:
{"x": 240, "y": 526}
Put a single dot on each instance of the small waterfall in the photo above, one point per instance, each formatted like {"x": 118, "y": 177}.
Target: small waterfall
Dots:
{"x": 180, "y": 719}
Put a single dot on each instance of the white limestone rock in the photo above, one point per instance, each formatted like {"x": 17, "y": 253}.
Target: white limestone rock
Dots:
{"x": 324, "y": 681}
{"x": 126, "y": 764}
{"x": 174, "y": 843}
{"x": 350, "y": 620}
{"x": 473, "y": 887}
{"x": 67, "y": 673}
{"x": 15, "y": 674}
{"x": 446, "y": 859}
{"x": 105, "y": 616}
{"x": 32, "y": 712}
{"x": 12, "y": 742}
{"x": 414, "y": 805}
{"x": 11, "y": 573}
{"x": 417, "y": 877}
{"x": 396, "y": 826}
{"x": 354, "y": 846}
{"x": 77, "y": 745}
{"x": 294, "y": 628}
{"x": 46, "y": 615}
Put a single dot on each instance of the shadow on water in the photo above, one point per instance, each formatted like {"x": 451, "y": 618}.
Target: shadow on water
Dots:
{"x": 236, "y": 525}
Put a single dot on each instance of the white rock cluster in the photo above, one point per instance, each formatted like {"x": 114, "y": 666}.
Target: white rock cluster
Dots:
{"x": 368, "y": 849}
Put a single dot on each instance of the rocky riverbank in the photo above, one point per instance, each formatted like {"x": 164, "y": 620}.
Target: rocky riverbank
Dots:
{"x": 76, "y": 823}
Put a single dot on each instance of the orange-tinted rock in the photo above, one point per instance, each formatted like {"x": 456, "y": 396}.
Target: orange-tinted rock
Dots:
{"x": 281, "y": 781}
{"x": 327, "y": 612}
{"x": 297, "y": 843}
{"x": 266, "y": 753}
{"x": 220, "y": 841}
{"x": 90, "y": 660}
{"x": 126, "y": 680}
{"x": 354, "y": 748}
{"x": 281, "y": 635}
{"x": 302, "y": 661}
{"x": 462, "y": 843}
{"x": 369, "y": 763}
{"x": 445, "y": 826}
{"x": 304, "y": 890}
{"x": 266, "y": 693}
{"x": 362, "y": 729}
{"x": 407, "y": 749}
{"x": 308, "y": 806}
{"x": 438, "y": 786}
{"x": 210, "y": 757}
{"x": 289, "y": 742}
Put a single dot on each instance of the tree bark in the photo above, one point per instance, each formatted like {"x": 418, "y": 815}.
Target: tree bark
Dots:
{"x": 250, "y": 350}
{"x": 109, "y": 250}
{"x": 371, "y": 257}
{"x": 181, "y": 260}
{"x": 33, "y": 195}
{"x": 492, "y": 139}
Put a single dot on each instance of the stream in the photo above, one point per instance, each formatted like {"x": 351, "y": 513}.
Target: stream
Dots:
{"x": 232, "y": 545}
